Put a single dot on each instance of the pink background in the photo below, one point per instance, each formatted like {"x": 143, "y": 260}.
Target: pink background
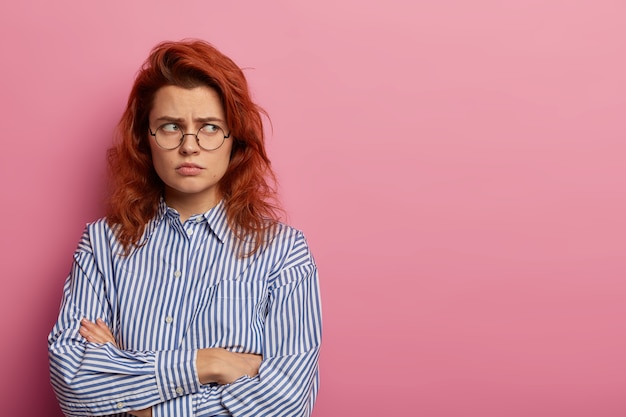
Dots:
{"x": 458, "y": 167}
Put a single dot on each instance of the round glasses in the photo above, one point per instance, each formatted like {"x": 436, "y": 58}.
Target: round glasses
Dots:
{"x": 170, "y": 136}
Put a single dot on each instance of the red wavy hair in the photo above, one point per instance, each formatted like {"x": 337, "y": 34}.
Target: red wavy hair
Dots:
{"x": 248, "y": 184}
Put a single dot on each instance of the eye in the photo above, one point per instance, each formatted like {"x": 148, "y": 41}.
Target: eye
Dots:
{"x": 169, "y": 128}
{"x": 210, "y": 129}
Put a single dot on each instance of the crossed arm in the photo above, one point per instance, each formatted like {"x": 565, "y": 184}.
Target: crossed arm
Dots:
{"x": 100, "y": 377}
{"x": 214, "y": 365}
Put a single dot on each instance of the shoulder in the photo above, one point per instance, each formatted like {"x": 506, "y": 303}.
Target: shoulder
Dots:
{"x": 284, "y": 234}
{"x": 97, "y": 234}
{"x": 289, "y": 246}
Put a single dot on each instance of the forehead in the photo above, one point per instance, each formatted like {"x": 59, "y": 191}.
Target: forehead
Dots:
{"x": 184, "y": 103}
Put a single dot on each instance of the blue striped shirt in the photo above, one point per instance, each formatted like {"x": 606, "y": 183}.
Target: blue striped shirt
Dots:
{"x": 185, "y": 288}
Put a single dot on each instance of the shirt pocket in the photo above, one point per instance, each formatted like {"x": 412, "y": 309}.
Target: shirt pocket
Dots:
{"x": 233, "y": 318}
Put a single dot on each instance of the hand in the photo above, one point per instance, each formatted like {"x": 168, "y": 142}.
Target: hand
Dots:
{"x": 97, "y": 332}
{"x": 224, "y": 367}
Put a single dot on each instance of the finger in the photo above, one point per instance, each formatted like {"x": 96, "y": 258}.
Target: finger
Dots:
{"x": 87, "y": 324}
{"x": 103, "y": 327}
{"x": 103, "y": 332}
{"x": 83, "y": 332}
{"x": 92, "y": 332}
{"x": 90, "y": 337}
{"x": 101, "y": 337}
{"x": 90, "y": 328}
{"x": 87, "y": 336}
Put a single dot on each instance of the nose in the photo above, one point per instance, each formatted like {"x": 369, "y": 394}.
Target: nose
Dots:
{"x": 189, "y": 145}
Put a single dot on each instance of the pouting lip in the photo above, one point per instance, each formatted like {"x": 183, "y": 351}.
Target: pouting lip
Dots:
{"x": 188, "y": 165}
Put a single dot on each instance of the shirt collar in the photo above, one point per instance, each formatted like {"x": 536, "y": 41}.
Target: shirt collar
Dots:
{"x": 217, "y": 220}
{"x": 215, "y": 217}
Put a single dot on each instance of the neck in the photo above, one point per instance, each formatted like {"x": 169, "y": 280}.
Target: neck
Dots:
{"x": 189, "y": 205}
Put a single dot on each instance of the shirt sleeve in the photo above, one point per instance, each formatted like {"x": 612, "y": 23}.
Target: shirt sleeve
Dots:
{"x": 288, "y": 379}
{"x": 94, "y": 379}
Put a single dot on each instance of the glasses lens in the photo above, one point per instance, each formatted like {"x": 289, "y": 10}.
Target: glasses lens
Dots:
{"x": 168, "y": 136}
{"x": 210, "y": 137}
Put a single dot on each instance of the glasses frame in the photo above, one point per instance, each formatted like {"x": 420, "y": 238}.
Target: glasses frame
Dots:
{"x": 183, "y": 134}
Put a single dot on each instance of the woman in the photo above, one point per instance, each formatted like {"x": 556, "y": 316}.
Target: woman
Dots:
{"x": 190, "y": 298}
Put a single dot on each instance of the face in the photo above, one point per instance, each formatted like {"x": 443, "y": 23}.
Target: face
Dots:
{"x": 190, "y": 173}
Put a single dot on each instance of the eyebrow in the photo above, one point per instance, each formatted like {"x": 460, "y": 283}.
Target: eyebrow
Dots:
{"x": 170, "y": 119}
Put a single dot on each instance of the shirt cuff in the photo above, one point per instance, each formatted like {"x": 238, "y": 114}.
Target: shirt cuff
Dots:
{"x": 176, "y": 373}
{"x": 181, "y": 406}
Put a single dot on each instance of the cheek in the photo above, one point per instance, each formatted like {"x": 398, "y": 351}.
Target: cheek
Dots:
{"x": 218, "y": 169}
{"x": 223, "y": 164}
{"x": 228, "y": 156}
{"x": 160, "y": 163}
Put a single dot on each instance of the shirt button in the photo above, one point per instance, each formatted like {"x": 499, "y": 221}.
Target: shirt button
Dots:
{"x": 199, "y": 219}
{"x": 189, "y": 232}
{"x": 169, "y": 319}
{"x": 177, "y": 274}
{"x": 120, "y": 405}
{"x": 179, "y": 391}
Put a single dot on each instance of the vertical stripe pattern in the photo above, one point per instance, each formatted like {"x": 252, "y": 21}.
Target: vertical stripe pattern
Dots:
{"x": 185, "y": 288}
